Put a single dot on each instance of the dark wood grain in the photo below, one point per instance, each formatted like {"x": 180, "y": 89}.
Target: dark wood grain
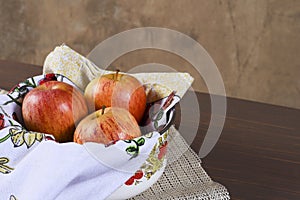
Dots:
{"x": 13, "y": 72}
{"x": 257, "y": 155}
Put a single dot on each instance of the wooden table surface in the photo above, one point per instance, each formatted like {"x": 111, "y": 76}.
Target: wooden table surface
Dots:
{"x": 257, "y": 155}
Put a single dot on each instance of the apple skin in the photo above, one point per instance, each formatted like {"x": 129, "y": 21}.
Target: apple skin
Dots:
{"x": 117, "y": 90}
{"x": 107, "y": 127}
{"x": 55, "y": 108}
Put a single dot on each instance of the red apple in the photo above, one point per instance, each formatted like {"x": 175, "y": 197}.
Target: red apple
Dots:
{"x": 55, "y": 108}
{"x": 117, "y": 90}
{"x": 107, "y": 126}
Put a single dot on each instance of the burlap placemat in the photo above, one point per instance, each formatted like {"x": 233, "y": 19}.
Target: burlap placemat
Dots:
{"x": 184, "y": 177}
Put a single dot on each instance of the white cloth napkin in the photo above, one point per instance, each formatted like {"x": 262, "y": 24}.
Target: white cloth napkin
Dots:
{"x": 34, "y": 167}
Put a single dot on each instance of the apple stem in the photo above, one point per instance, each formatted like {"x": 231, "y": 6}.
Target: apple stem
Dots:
{"x": 103, "y": 108}
{"x": 117, "y": 72}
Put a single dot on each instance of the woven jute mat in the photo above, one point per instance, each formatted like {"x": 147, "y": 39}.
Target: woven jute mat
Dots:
{"x": 184, "y": 177}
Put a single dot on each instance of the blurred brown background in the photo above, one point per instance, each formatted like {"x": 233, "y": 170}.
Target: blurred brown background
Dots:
{"x": 254, "y": 43}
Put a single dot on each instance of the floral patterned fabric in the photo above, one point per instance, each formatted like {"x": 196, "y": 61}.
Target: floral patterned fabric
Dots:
{"x": 34, "y": 166}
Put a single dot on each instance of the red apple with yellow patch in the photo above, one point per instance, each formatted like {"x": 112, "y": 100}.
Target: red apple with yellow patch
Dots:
{"x": 55, "y": 108}
{"x": 117, "y": 90}
{"x": 107, "y": 126}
